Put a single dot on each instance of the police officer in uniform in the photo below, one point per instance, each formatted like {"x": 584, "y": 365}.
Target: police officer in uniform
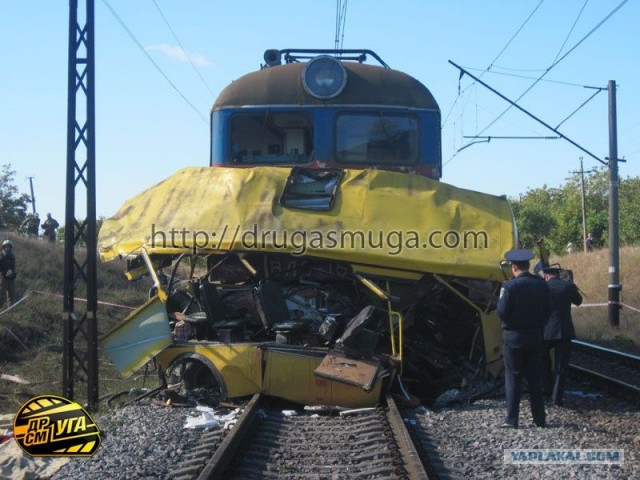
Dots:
{"x": 523, "y": 308}
{"x": 559, "y": 332}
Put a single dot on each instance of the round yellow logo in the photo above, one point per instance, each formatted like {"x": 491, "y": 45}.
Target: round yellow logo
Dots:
{"x": 55, "y": 426}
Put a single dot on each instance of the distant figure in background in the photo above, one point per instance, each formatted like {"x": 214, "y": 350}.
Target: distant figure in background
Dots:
{"x": 24, "y": 226}
{"x": 523, "y": 308}
{"x": 34, "y": 226}
{"x": 589, "y": 243}
{"x": 569, "y": 247}
{"x": 49, "y": 226}
{"x": 7, "y": 274}
{"x": 558, "y": 332}
{"x": 30, "y": 226}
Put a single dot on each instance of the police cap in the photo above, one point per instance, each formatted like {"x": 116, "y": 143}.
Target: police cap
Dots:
{"x": 551, "y": 270}
{"x": 519, "y": 255}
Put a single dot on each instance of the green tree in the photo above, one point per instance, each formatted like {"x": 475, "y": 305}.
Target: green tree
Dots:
{"x": 13, "y": 204}
{"x": 597, "y": 188}
{"x": 629, "y": 217}
{"x": 555, "y": 214}
{"x": 533, "y": 216}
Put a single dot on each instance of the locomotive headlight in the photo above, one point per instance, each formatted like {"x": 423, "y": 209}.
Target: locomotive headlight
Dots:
{"x": 324, "y": 77}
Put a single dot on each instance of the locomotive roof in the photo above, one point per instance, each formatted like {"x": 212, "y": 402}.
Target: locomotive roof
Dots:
{"x": 366, "y": 85}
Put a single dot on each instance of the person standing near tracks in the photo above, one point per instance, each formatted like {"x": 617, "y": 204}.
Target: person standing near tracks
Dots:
{"x": 7, "y": 274}
{"x": 558, "y": 332}
{"x": 49, "y": 226}
{"x": 523, "y": 308}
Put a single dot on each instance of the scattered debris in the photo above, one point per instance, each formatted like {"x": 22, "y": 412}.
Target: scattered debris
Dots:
{"x": 209, "y": 420}
{"x": 447, "y": 398}
{"x": 323, "y": 408}
{"x": 354, "y": 411}
{"x": 422, "y": 410}
{"x": 580, "y": 393}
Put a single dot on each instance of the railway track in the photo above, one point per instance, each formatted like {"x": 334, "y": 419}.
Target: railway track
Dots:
{"x": 618, "y": 372}
{"x": 269, "y": 443}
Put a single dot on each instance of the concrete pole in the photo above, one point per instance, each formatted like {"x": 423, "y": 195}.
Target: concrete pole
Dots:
{"x": 33, "y": 197}
{"x": 614, "y": 260}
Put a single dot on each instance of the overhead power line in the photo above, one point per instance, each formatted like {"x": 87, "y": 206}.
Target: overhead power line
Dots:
{"x": 493, "y": 72}
{"x": 341, "y": 19}
{"x": 139, "y": 45}
{"x": 514, "y": 35}
{"x": 182, "y": 48}
{"x": 513, "y": 102}
{"x": 620, "y": 5}
{"x": 566, "y": 39}
{"x": 494, "y": 60}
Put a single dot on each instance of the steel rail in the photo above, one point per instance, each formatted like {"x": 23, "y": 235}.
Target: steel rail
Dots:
{"x": 616, "y": 386}
{"x": 614, "y": 381}
{"x": 224, "y": 453}
{"x": 410, "y": 455}
{"x": 217, "y": 466}
{"x": 626, "y": 358}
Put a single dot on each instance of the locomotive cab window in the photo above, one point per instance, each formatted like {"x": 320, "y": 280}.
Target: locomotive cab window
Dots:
{"x": 377, "y": 139}
{"x": 271, "y": 138}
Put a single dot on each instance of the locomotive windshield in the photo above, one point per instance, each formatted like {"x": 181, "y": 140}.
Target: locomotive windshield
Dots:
{"x": 271, "y": 138}
{"x": 361, "y": 138}
{"x": 373, "y": 139}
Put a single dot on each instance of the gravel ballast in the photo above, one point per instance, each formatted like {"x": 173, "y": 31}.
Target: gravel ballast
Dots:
{"x": 146, "y": 440}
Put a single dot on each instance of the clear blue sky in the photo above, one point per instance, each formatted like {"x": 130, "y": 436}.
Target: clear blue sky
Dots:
{"x": 146, "y": 130}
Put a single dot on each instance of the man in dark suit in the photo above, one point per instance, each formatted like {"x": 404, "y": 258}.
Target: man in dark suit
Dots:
{"x": 523, "y": 308}
{"x": 559, "y": 332}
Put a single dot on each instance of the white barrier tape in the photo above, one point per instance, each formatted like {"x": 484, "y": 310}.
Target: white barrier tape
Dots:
{"x": 606, "y": 304}
{"x": 632, "y": 308}
{"x": 16, "y": 304}
{"x": 59, "y": 295}
{"x": 85, "y": 300}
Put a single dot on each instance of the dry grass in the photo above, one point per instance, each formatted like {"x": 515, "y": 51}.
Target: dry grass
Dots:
{"x": 31, "y": 332}
{"x": 591, "y": 274}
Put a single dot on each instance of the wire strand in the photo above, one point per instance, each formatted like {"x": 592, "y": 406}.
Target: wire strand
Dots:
{"x": 139, "y": 45}
{"x": 492, "y": 72}
{"x": 620, "y": 5}
{"x": 182, "y": 48}
{"x": 571, "y": 30}
{"x": 583, "y": 104}
{"x": 493, "y": 61}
